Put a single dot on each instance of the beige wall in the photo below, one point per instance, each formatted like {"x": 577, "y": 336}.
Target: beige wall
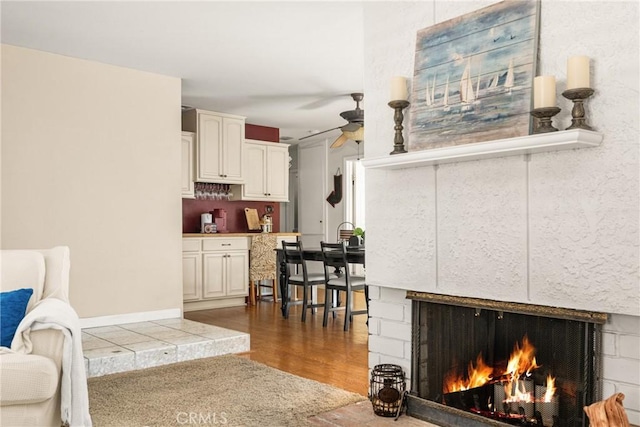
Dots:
{"x": 91, "y": 159}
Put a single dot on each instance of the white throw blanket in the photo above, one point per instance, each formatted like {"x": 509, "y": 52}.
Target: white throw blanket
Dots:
{"x": 52, "y": 313}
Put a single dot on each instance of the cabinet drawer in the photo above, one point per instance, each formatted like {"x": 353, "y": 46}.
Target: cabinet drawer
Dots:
{"x": 191, "y": 245}
{"x": 225, "y": 244}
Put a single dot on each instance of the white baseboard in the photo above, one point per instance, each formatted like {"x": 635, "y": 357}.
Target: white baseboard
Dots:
{"x": 119, "y": 319}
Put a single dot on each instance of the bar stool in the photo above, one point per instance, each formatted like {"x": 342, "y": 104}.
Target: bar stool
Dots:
{"x": 262, "y": 266}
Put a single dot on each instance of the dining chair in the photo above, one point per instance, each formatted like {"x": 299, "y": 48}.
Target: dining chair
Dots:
{"x": 262, "y": 266}
{"x": 297, "y": 274}
{"x": 334, "y": 256}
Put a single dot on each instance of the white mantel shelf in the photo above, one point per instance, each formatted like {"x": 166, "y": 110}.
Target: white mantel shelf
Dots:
{"x": 539, "y": 143}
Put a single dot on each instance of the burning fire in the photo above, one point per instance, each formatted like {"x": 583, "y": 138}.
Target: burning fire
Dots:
{"x": 516, "y": 392}
{"x": 522, "y": 360}
{"x": 477, "y": 376}
{"x": 516, "y": 387}
{"x": 551, "y": 389}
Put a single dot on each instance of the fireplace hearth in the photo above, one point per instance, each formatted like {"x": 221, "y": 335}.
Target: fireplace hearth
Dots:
{"x": 482, "y": 362}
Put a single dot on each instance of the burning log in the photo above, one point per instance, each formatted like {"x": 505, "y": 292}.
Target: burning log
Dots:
{"x": 510, "y": 394}
{"x": 608, "y": 413}
{"x": 474, "y": 398}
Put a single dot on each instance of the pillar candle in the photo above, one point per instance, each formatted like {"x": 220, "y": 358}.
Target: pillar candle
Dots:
{"x": 544, "y": 92}
{"x": 399, "y": 89}
{"x": 578, "y": 72}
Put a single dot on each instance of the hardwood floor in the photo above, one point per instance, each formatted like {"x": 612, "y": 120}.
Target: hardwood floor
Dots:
{"x": 328, "y": 355}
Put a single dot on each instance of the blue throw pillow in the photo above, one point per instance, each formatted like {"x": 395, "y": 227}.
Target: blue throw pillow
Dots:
{"x": 13, "y": 306}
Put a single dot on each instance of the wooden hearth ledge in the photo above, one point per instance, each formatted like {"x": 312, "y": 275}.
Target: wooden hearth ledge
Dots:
{"x": 511, "y": 307}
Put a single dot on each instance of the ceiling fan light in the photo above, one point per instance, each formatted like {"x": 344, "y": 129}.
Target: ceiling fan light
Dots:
{"x": 356, "y": 135}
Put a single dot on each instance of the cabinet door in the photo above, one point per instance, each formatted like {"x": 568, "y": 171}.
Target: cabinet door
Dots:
{"x": 188, "y": 176}
{"x": 209, "y": 148}
{"x": 237, "y": 273}
{"x": 233, "y": 138}
{"x": 255, "y": 171}
{"x": 213, "y": 265}
{"x": 191, "y": 276}
{"x": 278, "y": 174}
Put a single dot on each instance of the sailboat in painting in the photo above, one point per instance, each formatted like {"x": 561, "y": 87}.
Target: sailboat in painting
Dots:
{"x": 508, "y": 82}
{"x": 445, "y": 98}
{"x": 430, "y": 92}
{"x": 477, "y": 100}
{"x": 467, "y": 95}
{"x": 494, "y": 82}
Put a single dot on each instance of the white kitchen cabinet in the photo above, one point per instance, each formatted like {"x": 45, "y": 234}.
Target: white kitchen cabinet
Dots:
{"x": 191, "y": 276}
{"x": 225, "y": 274}
{"x": 188, "y": 165}
{"x": 266, "y": 166}
{"x": 215, "y": 272}
{"x": 237, "y": 273}
{"x": 219, "y": 143}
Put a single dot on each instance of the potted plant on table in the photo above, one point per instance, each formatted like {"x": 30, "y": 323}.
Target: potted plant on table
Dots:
{"x": 359, "y": 233}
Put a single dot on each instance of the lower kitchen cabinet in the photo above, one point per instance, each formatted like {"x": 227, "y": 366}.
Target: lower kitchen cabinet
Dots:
{"x": 191, "y": 276}
{"x": 225, "y": 274}
{"x": 215, "y": 272}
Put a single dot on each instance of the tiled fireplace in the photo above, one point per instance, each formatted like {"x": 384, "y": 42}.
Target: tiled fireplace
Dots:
{"x": 478, "y": 362}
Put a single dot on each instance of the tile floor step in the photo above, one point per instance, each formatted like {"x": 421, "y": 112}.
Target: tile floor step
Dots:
{"x": 131, "y": 346}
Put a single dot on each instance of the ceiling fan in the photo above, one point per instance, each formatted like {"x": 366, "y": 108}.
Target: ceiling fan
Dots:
{"x": 354, "y": 129}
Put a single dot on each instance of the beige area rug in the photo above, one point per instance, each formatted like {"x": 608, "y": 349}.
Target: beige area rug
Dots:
{"x": 222, "y": 391}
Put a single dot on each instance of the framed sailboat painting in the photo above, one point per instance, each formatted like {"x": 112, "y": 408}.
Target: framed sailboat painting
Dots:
{"x": 474, "y": 75}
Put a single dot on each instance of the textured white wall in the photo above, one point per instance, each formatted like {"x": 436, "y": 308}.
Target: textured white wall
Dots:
{"x": 558, "y": 229}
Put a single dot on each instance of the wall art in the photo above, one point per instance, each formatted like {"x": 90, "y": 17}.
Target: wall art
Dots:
{"x": 473, "y": 76}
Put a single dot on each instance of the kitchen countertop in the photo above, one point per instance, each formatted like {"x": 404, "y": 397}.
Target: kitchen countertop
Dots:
{"x": 207, "y": 235}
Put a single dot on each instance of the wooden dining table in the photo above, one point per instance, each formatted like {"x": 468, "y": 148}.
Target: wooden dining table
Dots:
{"x": 355, "y": 255}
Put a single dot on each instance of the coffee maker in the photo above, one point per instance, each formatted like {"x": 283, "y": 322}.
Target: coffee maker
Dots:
{"x": 206, "y": 223}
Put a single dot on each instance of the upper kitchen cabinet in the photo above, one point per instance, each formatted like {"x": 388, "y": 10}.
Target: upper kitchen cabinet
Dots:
{"x": 219, "y": 139}
{"x": 188, "y": 165}
{"x": 266, "y": 166}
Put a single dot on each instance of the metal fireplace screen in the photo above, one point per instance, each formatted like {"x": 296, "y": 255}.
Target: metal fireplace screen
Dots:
{"x": 457, "y": 346}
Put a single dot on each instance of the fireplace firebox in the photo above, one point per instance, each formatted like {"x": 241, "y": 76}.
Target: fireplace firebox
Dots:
{"x": 481, "y": 362}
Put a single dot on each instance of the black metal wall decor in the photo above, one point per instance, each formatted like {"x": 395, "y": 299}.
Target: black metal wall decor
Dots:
{"x": 336, "y": 195}
{"x": 387, "y": 390}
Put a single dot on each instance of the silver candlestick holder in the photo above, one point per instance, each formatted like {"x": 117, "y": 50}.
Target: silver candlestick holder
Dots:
{"x": 544, "y": 116}
{"x": 398, "y": 118}
{"x": 578, "y": 96}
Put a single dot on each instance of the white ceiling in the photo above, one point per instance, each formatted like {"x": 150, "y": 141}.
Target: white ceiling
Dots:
{"x": 289, "y": 65}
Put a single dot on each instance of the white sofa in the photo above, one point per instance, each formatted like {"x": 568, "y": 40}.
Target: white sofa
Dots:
{"x": 30, "y": 390}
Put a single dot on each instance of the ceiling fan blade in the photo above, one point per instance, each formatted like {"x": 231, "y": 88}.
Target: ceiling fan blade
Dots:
{"x": 323, "y": 101}
{"x": 319, "y": 133}
{"x": 351, "y": 127}
{"x": 340, "y": 141}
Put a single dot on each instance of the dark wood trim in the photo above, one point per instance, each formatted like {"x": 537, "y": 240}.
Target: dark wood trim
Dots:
{"x": 511, "y": 307}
